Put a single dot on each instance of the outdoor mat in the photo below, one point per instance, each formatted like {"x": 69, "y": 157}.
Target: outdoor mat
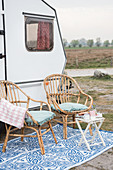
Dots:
{"x": 64, "y": 155}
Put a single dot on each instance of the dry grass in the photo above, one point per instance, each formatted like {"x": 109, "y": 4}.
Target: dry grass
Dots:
{"x": 89, "y": 58}
{"x": 102, "y": 93}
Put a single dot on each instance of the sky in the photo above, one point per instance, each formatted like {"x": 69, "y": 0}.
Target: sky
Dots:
{"x": 87, "y": 19}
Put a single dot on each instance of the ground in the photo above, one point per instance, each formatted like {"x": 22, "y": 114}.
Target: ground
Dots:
{"x": 102, "y": 162}
{"x": 102, "y": 93}
{"x": 89, "y": 58}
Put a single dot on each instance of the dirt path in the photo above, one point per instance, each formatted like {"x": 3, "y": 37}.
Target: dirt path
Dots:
{"x": 87, "y": 72}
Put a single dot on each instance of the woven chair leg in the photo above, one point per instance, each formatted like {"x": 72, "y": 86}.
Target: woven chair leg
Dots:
{"x": 90, "y": 130}
{"x": 74, "y": 121}
{"x": 41, "y": 140}
{"x": 22, "y": 132}
{"x": 6, "y": 139}
{"x": 52, "y": 131}
{"x": 65, "y": 127}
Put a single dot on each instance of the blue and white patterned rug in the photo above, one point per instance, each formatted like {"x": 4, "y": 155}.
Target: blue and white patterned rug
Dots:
{"x": 65, "y": 155}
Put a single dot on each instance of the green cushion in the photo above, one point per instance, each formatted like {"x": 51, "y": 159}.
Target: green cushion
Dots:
{"x": 71, "y": 107}
{"x": 40, "y": 116}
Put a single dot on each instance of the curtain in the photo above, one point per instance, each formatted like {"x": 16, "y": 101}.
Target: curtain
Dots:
{"x": 43, "y": 41}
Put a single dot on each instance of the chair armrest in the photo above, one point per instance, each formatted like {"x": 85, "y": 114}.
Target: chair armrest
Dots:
{"x": 41, "y": 103}
{"x": 88, "y": 97}
{"x": 56, "y": 104}
{"x": 29, "y": 115}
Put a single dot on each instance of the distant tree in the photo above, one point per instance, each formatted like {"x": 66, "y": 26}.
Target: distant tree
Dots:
{"x": 83, "y": 41}
{"x": 90, "y": 42}
{"x": 69, "y": 46}
{"x": 111, "y": 42}
{"x": 65, "y": 42}
{"x": 74, "y": 43}
{"x": 80, "y": 45}
{"x": 106, "y": 43}
{"x": 98, "y": 42}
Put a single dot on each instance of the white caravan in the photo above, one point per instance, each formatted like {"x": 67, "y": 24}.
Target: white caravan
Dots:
{"x": 31, "y": 46}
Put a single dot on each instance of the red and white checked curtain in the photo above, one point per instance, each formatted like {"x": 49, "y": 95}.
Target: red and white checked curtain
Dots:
{"x": 43, "y": 41}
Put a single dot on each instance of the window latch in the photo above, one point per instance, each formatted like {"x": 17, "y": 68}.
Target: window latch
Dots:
{"x": 2, "y": 56}
{"x": 2, "y": 32}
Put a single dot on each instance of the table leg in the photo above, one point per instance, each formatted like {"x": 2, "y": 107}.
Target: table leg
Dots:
{"x": 83, "y": 134}
{"x": 97, "y": 128}
{"x": 97, "y": 132}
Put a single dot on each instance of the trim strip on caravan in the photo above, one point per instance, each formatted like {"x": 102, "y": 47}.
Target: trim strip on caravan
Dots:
{"x": 3, "y": 5}
{"x": 2, "y": 56}
{"x": 4, "y": 41}
{"x": 32, "y": 14}
{"x": 26, "y": 82}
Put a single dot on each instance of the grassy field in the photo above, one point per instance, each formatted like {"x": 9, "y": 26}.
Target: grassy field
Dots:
{"x": 102, "y": 93}
{"x": 80, "y": 48}
{"x": 89, "y": 58}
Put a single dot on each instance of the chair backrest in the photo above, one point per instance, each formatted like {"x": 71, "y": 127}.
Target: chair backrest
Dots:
{"x": 61, "y": 87}
{"x": 13, "y": 94}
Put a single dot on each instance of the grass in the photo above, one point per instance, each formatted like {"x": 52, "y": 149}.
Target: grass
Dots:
{"x": 108, "y": 123}
{"x": 91, "y": 63}
{"x": 89, "y": 57}
{"x": 99, "y": 89}
{"x": 102, "y": 63}
{"x": 74, "y": 48}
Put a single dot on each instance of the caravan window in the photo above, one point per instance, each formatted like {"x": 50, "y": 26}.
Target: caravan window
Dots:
{"x": 38, "y": 34}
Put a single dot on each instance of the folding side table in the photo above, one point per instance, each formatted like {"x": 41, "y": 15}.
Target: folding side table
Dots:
{"x": 97, "y": 127}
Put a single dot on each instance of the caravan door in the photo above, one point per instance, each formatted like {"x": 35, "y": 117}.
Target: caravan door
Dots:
{"x": 2, "y": 65}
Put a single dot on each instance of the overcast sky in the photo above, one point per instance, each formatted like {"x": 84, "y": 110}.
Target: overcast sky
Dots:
{"x": 87, "y": 19}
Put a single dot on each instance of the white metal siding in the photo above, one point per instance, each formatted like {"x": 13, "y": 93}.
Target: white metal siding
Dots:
{"x": 23, "y": 65}
{"x": 2, "y": 74}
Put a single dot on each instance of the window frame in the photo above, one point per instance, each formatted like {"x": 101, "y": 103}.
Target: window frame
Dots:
{"x": 38, "y": 19}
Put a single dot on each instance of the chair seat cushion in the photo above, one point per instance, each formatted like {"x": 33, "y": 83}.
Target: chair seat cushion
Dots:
{"x": 69, "y": 107}
{"x": 40, "y": 116}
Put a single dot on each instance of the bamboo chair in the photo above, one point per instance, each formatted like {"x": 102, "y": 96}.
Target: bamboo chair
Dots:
{"x": 62, "y": 92}
{"x": 15, "y": 95}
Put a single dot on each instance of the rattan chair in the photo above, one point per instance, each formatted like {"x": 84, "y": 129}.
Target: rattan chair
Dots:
{"x": 66, "y": 98}
{"x": 15, "y": 95}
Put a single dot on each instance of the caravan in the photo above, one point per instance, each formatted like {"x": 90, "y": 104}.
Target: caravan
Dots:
{"x": 31, "y": 46}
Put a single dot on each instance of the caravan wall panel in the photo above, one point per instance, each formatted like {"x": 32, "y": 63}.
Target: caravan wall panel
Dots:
{"x": 24, "y": 65}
